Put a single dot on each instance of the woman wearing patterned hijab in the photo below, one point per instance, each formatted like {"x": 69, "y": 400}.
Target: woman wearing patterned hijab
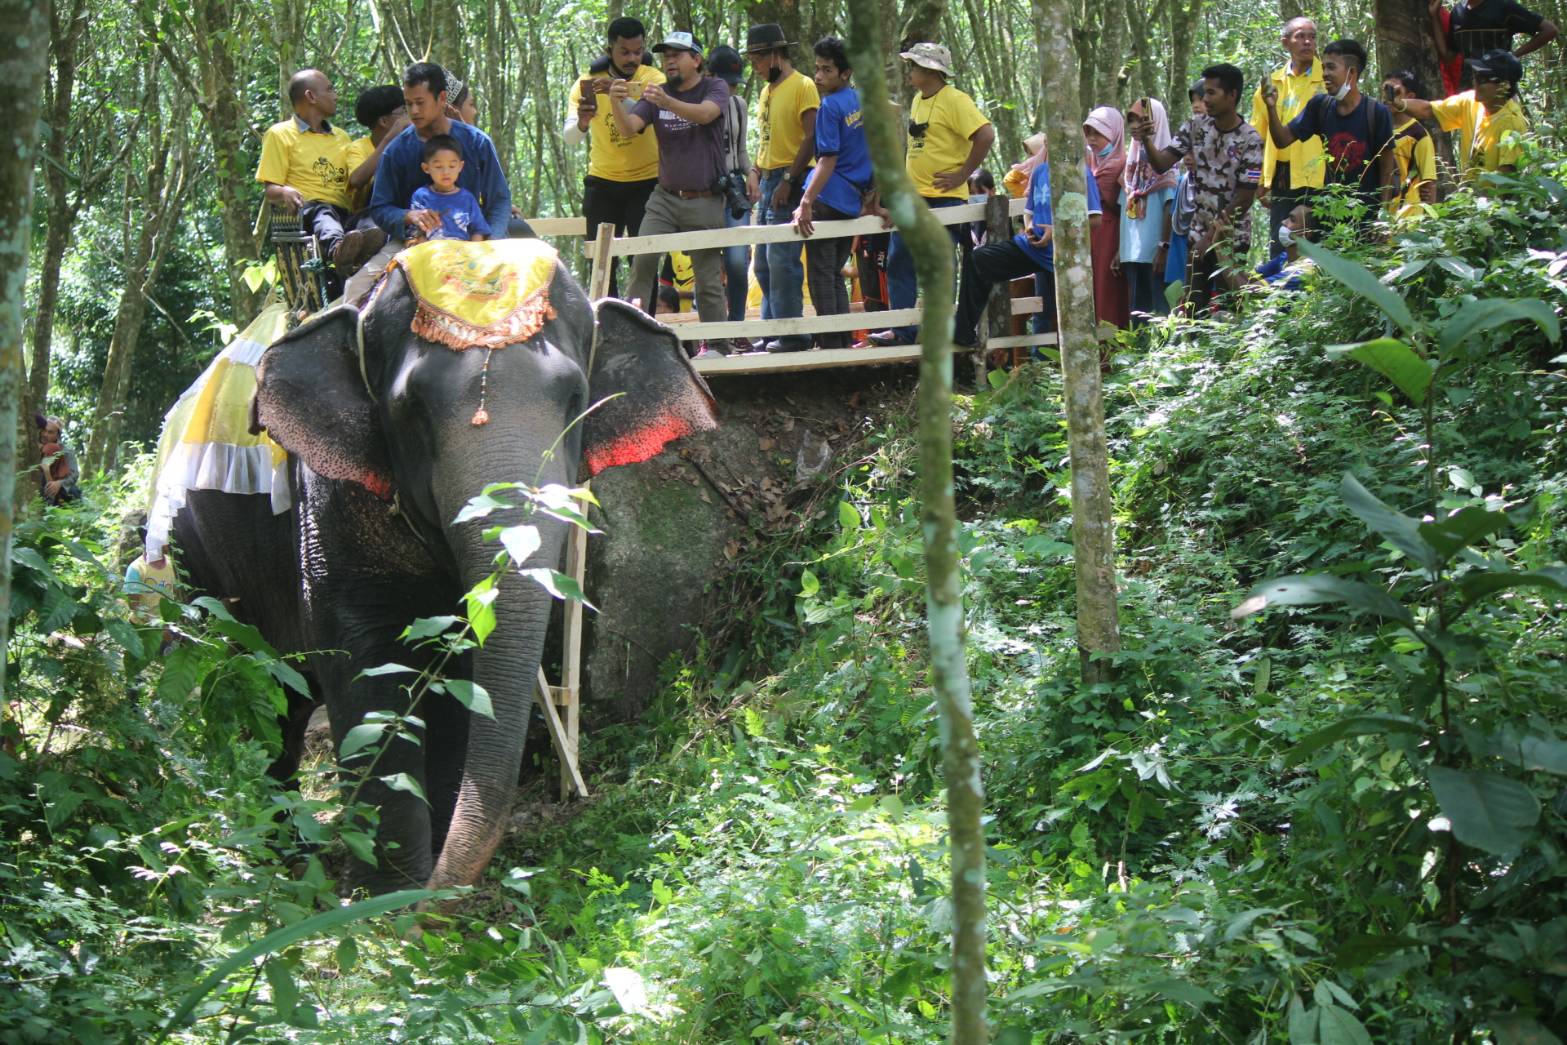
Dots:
{"x": 1103, "y": 132}
{"x": 1146, "y": 198}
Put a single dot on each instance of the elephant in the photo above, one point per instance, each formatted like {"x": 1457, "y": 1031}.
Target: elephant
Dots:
{"x": 386, "y": 445}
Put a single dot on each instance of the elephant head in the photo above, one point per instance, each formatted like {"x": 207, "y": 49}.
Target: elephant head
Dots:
{"x": 363, "y": 400}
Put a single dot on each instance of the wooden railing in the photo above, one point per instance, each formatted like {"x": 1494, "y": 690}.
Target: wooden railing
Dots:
{"x": 605, "y": 248}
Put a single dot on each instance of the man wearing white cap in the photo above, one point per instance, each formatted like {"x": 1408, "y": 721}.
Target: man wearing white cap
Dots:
{"x": 685, "y": 113}
{"x": 948, "y": 140}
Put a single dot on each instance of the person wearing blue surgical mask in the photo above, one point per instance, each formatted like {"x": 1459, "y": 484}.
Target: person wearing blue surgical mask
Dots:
{"x": 1286, "y": 268}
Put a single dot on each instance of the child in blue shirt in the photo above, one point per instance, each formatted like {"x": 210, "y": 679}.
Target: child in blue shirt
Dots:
{"x": 461, "y": 217}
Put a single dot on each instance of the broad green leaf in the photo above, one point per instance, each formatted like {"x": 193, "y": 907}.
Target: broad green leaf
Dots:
{"x": 627, "y": 987}
{"x": 809, "y": 585}
{"x": 848, "y": 516}
{"x": 1181, "y": 991}
{"x": 1481, "y": 583}
{"x": 1302, "y": 1022}
{"x": 404, "y": 782}
{"x": 520, "y": 542}
{"x": 1487, "y": 811}
{"x": 1473, "y": 317}
{"x": 284, "y": 994}
{"x": 1318, "y": 589}
{"x": 359, "y": 738}
{"x": 287, "y": 937}
{"x": 558, "y": 584}
{"x": 1336, "y": 1026}
{"x": 1458, "y": 531}
{"x": 1460, "y": 268}
{"x": 1394, "y": 360}
{"x": 1353, "y": 726}
{"x": 427, "y": 628}
{"x": 347, "y": 955}
{"x": 1359, "y": 279}
{"x": 472, "y": 696}
{"x": 480, "y": 607}
{"x": 480, "y": 506}
{"x": 1401, "y": 531}
{"x": 387, "y": 669}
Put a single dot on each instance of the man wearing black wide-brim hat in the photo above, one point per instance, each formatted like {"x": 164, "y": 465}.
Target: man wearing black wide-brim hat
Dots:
{"x": 1487, "y": 118}
{"x": 786, "y": 116}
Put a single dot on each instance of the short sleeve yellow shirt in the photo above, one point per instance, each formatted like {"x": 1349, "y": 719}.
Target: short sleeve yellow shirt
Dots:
{"x": 1307, "y": 166}
{"x": 1480, "y": 132}
{"x": 315, "y": 163}
{"x": 780, "y": 115}
{"x": 939, "y": 139}
{"x": 1416, "y": 158}
{"x": 360, "y": 150}
{"x": 610, "y": 155}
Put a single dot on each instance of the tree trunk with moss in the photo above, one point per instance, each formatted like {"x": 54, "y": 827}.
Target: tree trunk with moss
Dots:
{"x": 23, "y": 60}
{"x": 931, "y": 248}
{"x": 1093, "y": 523}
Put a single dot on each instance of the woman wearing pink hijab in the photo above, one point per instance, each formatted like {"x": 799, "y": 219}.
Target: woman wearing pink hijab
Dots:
{"x": 1104, "y": 131}
{"x": 1146, "y": 198}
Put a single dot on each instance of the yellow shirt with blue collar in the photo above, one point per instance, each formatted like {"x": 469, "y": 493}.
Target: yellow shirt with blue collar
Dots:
{"x": 317, "y": 163}
{"x": 1307, "y": 166}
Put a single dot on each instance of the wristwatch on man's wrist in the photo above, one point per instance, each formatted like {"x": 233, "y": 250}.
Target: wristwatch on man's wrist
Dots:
{"x": 787, "y": 177}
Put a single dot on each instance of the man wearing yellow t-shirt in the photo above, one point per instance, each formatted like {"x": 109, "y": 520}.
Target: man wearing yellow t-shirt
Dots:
{"x": 381, "y": 111}
{"x": 1483, "y": 117}
{"x": 1289, "y": 174}
{"x": 786, "y": 120}
{"x": 622, "y": 171}
{"x": 305, "y": 166}
{"x": 948, "y": 141}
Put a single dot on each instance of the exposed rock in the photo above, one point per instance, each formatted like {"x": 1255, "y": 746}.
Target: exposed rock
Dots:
{"x": 674, "y": 525}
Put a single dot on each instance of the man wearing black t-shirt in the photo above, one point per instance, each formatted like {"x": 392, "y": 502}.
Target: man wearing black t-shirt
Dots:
{"x": 1477, "y": 26}
{"x": 1356, "y": 132}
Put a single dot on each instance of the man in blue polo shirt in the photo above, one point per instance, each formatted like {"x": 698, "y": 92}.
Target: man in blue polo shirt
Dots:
{"x": 400, "y": 172}
{"x": 1028, "y": 253}
{"x": 834, "y": 189}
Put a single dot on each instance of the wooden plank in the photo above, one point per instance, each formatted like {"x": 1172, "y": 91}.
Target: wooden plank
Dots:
{"x": 1027, "y": 306}
{"x": 758, "y": 234}
{"x": 559, "y": 226}
{"x": 1020, "y": 341}
{"x": 571, "y": 654}
{"x": 758, "y": 328}
{"x": 789, "y": 362}
{"x": 601, "y": 260}
{"x": 557, "y": 731}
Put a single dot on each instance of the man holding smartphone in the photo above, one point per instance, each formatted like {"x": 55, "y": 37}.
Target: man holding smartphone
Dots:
{"x": 621, "y": 171}
{"x": 1289, "y": 174}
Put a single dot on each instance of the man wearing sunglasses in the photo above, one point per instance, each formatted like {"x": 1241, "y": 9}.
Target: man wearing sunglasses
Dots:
{"x": 1484, "y": 117}
{"x": 948, "y": 141}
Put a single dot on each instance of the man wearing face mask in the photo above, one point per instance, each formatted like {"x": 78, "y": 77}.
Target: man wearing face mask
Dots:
{"x": 1357, "y": 131}
{"x": 1484, "y": 117}
{"x": 786, "y": 118}
{"x": 1289, "y": 175}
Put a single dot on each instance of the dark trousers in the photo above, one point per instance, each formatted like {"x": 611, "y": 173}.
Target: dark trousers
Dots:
{"x": 1204, "y": 284}
{"x": 824, "y": 261}
{"x": 983, "y": 268}
{"x": 326, "y": 222}
{"x": 902, "y": 283}
{"x": 617, "y": 203}
{"x": 1147, "y": 291}
{"x": 1282, "y": 198}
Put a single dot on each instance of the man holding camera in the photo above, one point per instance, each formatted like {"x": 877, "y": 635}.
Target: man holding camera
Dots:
{"x": 686, "y": 116}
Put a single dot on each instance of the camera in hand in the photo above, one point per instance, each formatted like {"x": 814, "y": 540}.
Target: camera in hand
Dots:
{"x": 731, "y": 187}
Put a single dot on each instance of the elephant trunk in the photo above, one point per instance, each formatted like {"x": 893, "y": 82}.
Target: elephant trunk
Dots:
{"x": 507, "y": 668}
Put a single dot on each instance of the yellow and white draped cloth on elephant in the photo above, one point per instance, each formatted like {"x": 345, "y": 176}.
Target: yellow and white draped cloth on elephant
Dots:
{"x": 207, "y": 443}
{"x": 485, "y": 294}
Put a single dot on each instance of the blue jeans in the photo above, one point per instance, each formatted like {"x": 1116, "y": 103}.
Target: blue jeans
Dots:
{"x": 779, "y": 270}
{"x": 737, "y": 266}
{"x": 902, "y": 285}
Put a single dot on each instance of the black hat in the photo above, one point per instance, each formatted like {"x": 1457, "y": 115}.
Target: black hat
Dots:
{"x": 725, "y": 64}
{"x": 1500, "y": 63}
{"x": 765, "y": 37}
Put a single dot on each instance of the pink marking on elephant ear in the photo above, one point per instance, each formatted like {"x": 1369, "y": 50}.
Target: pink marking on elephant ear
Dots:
{"x": 377, "y": 484}
{"x": 638, "y": 445}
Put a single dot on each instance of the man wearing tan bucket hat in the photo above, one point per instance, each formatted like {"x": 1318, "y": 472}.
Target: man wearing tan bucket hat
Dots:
{"x": 948, "y": 141}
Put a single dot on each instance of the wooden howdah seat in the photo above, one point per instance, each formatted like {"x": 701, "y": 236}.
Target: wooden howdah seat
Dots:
{"x": 300, "y": 266}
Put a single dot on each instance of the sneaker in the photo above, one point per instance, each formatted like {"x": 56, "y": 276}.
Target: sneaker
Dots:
{"x": 879, "y": 339}
{"x": 795, "y": 343}
{"x": 356, "y": 248}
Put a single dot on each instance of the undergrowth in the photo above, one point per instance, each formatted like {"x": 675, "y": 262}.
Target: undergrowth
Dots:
{"x": 1236, "y": 841}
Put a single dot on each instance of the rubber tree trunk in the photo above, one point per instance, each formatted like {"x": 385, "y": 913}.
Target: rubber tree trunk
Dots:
{"x": 23, "y": 57}
{"x": 1184, "y": 16}
{"x": 1093, "y": 524}
{"x": 931, "y": 248}
{"x": 1404, "y": 40}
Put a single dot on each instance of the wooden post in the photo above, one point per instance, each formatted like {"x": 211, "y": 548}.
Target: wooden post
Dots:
{"x": 570, "y": 691}
{"x": 998, "y": 311}
{"x": 599, "y": 257}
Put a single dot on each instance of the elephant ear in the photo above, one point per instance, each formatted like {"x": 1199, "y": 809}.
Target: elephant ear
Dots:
{"x": 312, "y": 399}
{"x": 647, "y": 391}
